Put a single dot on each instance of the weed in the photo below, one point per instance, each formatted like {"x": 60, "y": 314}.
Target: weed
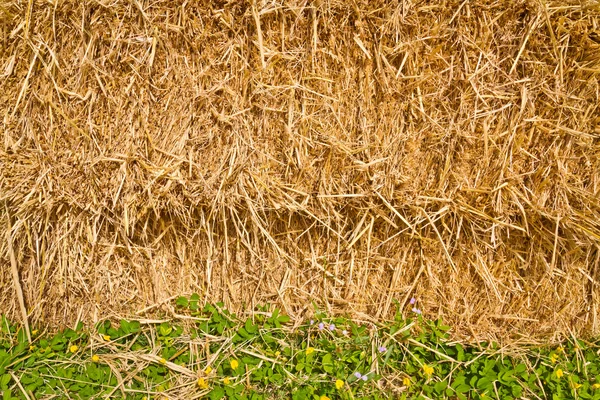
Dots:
{"x": 222, "y": 355}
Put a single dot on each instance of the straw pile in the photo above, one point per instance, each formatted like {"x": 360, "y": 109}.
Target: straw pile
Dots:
{"x": 344, "y": 152}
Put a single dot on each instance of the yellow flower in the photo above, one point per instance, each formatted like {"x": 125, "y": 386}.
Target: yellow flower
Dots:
{"x": 554, "y": 358}
{"x": 208, "y": 370}
{"x": 559, "y": 373}
{"x": 277, "y": 353}
{"x": 227, "y": 381}
{"x": 406, "y": 381}
{"x": 339, "y": 384}
{"x": 234, "y": 364}
{"x": 575, "y": 385}
{"x": 596, "y": 386}
{"x": 34, "y": 332}
{"x": 162, "y": 361}
{"x": 73, "y": 348}
{"x": 202, "y": 383}
{"x": 324, "y": 398}
{"x": 106, "y": 338}
{"x": 428, "y": 370}
{"x": 95, "y": 358}
{"x": 310, "y": 350}
{"x": 31, "y": 348}
{"x": 560, "y": 349}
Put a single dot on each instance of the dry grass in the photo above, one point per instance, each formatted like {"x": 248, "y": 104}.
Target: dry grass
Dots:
{"x": 289, "y": 151}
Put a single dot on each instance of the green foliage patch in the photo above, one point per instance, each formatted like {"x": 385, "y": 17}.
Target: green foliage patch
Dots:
{"x": 214, "y": 354}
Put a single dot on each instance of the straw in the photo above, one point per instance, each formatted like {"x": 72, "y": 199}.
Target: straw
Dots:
{"x": 346, "y": 153}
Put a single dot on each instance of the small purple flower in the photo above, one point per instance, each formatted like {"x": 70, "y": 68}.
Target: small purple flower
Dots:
{"x": 364, "y": 378}
{"x": 413, "y": 301}
{"x": 321, "y": 326}
{"x": 345, "y": 332}
{"x": 382, "y": 349}
{"x": 312, "y": 321}
{"x": 332, "y": 327}
{"x": 416, "y": 310}
{"x": 358, "y": 375}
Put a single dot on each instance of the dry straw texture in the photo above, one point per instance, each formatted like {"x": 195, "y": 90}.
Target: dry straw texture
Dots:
{"x": 347, "y": 152}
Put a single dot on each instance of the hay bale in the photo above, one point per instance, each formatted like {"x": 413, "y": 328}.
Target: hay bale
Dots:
{"x": 344, "y": 152}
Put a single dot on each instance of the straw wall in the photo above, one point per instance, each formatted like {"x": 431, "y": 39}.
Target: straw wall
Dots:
{"x": 346, "y": 152}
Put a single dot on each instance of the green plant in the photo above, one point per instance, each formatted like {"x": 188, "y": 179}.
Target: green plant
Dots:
{"x": 261, "y": 356}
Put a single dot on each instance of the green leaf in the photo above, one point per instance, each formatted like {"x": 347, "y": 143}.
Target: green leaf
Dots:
{"x": 203, "y": 327}
{"x": 182, "y": 301}
{"x": 250, "y": 327}
{"x": 5, "y": 326}
{"x": 22, "y": 336}
{"x": 519, "y": 369}
{"x": 94, "y": 373}
{"x": 70, "y": 334}
{"x": 460, "y": 353}
{"x": 193, "y": 304}
{"x": 134, "y": 326}
{"x": 327, "y": 363}
{"x": 27, "y": 379}
{"x": 516, "y": 390}
{"x": 484, "y": 383}
{"x": 459, "y": 380}
{"x": 440, "y": 386}
{"x": 125, "y": 326}
{"x": 276, "y": 378}
{"x": 506, "y": 377}
{"x": 4, "y": 381}
{"x": 164, "y": 329}
{"x": 217, "y": 394}
{"x": 462, "y": 388}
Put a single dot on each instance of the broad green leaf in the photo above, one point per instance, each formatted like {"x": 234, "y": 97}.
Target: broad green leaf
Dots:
{"x": 440, "y": 386}
{"x": 182, "y": 301}
{"x": 4, "y": 381}
{"x": 462, "y": 388}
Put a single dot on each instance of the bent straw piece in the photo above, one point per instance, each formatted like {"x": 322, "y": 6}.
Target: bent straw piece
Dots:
{"x": 15, "y": 276}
